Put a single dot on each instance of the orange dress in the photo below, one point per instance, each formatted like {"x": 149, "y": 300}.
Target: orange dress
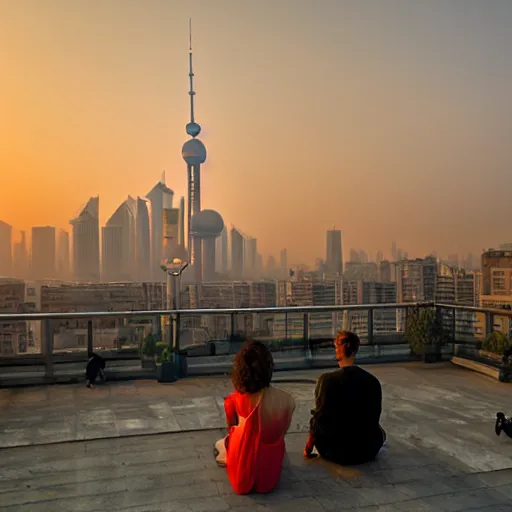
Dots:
{"x": 255, "y": 443}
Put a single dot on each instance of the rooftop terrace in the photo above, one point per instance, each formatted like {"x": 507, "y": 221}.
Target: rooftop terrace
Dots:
{"x": 143, "y": 446}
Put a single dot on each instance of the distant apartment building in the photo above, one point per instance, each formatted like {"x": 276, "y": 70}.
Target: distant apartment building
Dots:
{"x": 359, "y": 271}
{"x": 334, "y": 252}
{"x": 416, "y": 280}
{"x": 371, "y": 292}
{"x": 493, "y": 260}
{"x": 118, "y": 244}
{"x": 43, "y": 264}
{"x": 15, "y": 336}
{"x": 386, "y": 271}
{"x": 65, "y": 298}
{"x": 86, "y": 242}
{"x": 5, "y": 249}
{"x": 237, "y": 254}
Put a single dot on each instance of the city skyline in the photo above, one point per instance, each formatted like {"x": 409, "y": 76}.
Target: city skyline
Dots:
{"x": 412, "y": 119}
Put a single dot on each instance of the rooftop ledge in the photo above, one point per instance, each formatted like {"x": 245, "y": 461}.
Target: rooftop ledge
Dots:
{"x": 141, "y": 446}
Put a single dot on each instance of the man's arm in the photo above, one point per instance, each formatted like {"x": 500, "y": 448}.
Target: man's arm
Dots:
{"x": 319, "y": 399}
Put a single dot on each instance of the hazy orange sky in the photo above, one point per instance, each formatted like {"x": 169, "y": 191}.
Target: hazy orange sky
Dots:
{"x": 389, "y": 120}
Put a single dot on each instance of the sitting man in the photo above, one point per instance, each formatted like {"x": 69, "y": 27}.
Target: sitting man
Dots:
{"x": 344, "y": 426}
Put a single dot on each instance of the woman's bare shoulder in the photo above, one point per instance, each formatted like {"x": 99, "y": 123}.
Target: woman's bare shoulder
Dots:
{"x": 280, "y": 394}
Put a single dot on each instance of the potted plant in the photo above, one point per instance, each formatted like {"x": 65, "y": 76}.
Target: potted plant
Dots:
{"x": 495, "y": 346}
{"x": 425, "y": 333}
{"x": 167, "y": 370}
{"x": 148, "y": 352}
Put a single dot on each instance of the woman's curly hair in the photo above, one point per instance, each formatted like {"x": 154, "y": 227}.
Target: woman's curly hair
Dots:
{"x": 253, "y": 368}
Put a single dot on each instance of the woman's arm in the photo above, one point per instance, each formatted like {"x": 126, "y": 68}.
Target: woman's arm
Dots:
{"x": 230, "y": 410}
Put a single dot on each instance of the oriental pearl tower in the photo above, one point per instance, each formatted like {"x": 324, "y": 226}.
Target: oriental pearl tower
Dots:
{"x": 194, "y": 154}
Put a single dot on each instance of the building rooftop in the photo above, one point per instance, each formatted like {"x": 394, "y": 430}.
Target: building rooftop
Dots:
{"x": 143, "y": 446}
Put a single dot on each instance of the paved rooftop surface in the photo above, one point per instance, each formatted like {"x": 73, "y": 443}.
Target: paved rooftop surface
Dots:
{"x": 442, "y": 455}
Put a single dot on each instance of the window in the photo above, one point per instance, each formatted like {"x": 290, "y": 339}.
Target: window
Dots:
{"x": 31, "y": 292}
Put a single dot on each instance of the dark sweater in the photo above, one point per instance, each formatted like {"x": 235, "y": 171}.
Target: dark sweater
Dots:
{"x": 345, "y": 422}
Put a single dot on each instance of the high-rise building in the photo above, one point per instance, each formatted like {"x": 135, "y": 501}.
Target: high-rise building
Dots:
{"x": 493, "y": 259}
{"x": 221, "y": 248}
{"x": 283, "y": 263}
{"x": 43, "y": 261}
{"x": 86, "y": 242}
{"x": 251, "y": 255}
{"x": 394, "y": 252}
{"x": 63, "y": 254}
{"x": 334, "y": 259}
{"x": 182, "y": 238}
{"x": 20, "y": 260}
{"x": 5, "y": 249}
{"x": 118, "y": 247}
{"x": 237, "y": 254}
{"x": 161, "y": 197}
{"x": 143, "y": 239}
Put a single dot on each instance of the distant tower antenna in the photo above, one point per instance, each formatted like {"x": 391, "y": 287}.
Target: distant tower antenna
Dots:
{"x": 190, "y": 72}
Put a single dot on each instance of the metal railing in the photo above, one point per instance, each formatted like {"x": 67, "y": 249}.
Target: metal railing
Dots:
{"x": 54, "y": 346}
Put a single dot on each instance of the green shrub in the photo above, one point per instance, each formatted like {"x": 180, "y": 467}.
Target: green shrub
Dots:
{"x": 424, "y": 329}
{"x": 149, "y": 345}
{"x": 166, "y": 355}
{"x": 496, "y": 342}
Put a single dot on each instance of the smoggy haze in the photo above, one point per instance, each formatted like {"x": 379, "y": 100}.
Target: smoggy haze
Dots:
{"x": 390, "y": 120}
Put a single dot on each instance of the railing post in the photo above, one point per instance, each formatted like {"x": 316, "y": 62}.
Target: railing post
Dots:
{"x": 47, "y": 332}
{"x": 177, "y": 333}
{"x": 306, "y": 335}
{"x": 89, "y": 338}
{"x": 232, "y": 321}
{"x": 454, "y": 327}
{"x": 489, "y": 323}
{"x": 370, "y": 326}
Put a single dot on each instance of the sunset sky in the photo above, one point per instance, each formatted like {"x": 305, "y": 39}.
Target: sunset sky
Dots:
{"x": 387, "y": 119}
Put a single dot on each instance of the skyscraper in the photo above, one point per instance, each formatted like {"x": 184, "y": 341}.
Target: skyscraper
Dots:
{"x": 118, "y": 249}
{"x": 283, "y": 263}
{"x": 250, "y": 256}
{"x": 5, "y": 249}
{"x": 161, "y": 197}
{"x": 43, "y": 261}
{"x": 20, "y": 260}
{"x": 182, "y": 235}
{"x": 143, "y": 239}
{"x": 63, "y": 252}
{"x": 86, "y": 242}
{"x": 222, "y": 252}
{"x": 334, "y": 259}
{"x": 237, "y": 254}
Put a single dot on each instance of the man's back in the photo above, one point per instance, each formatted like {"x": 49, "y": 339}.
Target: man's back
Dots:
{"x": 345, "y": 422}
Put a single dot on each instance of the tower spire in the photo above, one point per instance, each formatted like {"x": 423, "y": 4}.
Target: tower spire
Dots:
{"x": 192, "y": 128}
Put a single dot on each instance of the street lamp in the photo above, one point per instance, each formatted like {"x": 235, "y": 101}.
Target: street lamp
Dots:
{"x": 174, "y": 266}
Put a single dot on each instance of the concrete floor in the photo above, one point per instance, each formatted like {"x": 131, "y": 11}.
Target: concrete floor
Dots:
{"x": 442, "y": 455}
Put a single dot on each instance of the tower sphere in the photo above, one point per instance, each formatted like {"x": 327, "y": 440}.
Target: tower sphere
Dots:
{"x": 193, "y": 152}
{"x": 207, "y": 224}
{"x": 193, "y": 129}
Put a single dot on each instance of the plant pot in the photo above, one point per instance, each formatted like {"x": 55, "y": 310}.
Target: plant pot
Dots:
{"x": 148, "y": 363}
{"x": 182, "y": 363}
{"x": 167, "y": 372}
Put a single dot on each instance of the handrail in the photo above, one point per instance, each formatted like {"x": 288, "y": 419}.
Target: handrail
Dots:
{"x": 473, "y": 309}
{"x": 211, "y": 311}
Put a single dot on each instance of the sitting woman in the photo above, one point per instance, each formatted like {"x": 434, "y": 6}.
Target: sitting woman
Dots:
{"x": 258, "y": 418}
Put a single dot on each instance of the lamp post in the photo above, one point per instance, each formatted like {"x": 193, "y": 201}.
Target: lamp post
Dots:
{"x": 174, "y": 267}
